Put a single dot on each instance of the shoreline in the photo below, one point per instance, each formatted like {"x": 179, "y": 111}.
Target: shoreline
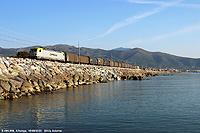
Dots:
{"x": 25, "y": 77}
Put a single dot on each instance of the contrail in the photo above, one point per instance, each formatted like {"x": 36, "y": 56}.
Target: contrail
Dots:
{"x": 133, "y": 19}
{"x": 126, "y": 22}
{"x": 148, "y": 2}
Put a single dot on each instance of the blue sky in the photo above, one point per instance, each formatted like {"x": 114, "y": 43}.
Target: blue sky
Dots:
{"x": 171, "y": 26}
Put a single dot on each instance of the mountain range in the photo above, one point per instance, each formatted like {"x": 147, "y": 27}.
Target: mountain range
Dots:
{"x": 122, "y": 49}
{"x": 136, "y": 56}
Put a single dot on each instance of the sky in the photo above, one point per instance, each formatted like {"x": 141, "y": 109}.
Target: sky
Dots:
{"x": 170, "y": 26}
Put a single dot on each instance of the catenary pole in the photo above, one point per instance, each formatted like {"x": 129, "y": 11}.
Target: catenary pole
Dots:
{"x": 79, "y": 53}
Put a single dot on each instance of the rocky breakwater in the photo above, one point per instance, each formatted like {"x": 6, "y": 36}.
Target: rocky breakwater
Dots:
{"x": 25, "y": 77}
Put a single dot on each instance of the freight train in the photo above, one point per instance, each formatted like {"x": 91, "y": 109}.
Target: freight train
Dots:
{"x": 41, "y": 53}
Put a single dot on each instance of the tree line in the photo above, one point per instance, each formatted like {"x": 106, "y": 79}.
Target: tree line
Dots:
{"x": 21, "y": 54}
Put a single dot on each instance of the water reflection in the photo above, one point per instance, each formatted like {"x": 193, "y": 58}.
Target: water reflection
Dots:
{"x": 166, "y": 102}
{"x": 66, "y": 106}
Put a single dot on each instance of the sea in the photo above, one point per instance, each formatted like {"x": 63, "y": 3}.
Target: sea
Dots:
{"x": 168, "y": 103}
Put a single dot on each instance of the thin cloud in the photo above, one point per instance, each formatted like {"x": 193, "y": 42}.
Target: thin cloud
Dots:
{"x": 148, "y": 2}
{"x": 129, "y": 21}
{"x": 168, "y": 35}
{"x": 179, "y": 32}
{"x": 189, "y": 5}
{"x": 126, "y": 22}
{"x": 165, "y": 3}
{"x": 133, "y": 19}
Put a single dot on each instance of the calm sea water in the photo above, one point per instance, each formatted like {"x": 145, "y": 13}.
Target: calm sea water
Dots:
{"x": 162, "y": 104}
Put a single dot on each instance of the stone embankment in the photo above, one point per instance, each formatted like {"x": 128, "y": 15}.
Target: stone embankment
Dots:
{"x": 25, "y": 77}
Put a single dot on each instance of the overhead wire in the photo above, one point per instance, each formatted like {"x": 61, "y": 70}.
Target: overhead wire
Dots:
{"x": 12, "y": 41}
{"x": 16, "y": 39}
{"x": 12, "y": 36}
{"x": 22, "y": 35}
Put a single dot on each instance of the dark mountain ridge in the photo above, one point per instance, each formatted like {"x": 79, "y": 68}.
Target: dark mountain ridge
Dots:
{"x": 136, "y": 56}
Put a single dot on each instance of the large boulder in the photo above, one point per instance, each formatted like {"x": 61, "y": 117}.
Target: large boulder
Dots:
{"x": 86, "y": 77}
{"x": 1, "y": 90}
{"x": 26, "y": 87}
{"x": 18, "y": 68}
{"x": 4, "y": 69}
{"x": 103, "y": 80}
{"x": 48, "y": 87}
{"x": 22, "y": 76}
{"x": 75, "y": 79}
{"x": 80, "y": 81}
{"x": 34, "y": 78}
{"x": 96, "y": 78}
{"x": 13, "y": 72}
{"x": 37, "y": 89}
{"x": 40, "y": 84}
{"x": 3, "y": 77}
{"x": 11, "y": 96}
{"x": 57, "y": 78}
{"x": 5, "y": 85}
{"x": 1, "y": 72}
{"x": 1, "y": 97}
{"x": 16, "y": 83}
{"x": 7, "y": 63}
{"x": 61, "y": 86}
{"x": 70, "y": 83}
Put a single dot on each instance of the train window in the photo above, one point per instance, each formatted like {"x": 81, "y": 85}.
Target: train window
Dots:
{"x": 40, "y": 50}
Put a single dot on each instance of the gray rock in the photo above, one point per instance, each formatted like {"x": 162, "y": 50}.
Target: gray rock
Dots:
{"x": 61, "y": 86}
{"x": 37, "y": 89}
{"x": 3, "y": 77}
{"x": 1, "y": 89}
{"x": 5, "y": 85}
{"x": 40, "y": 84}
{"x": 35, "y": 83}
{"x": 7, "y": 64}
{"x": 30, "y": 76}
{"x": 11, "y": 96}
{"x": 22, "y": 76}
{"x": 15, "y": 83}
{"x": 1, "y": 72}
{"x": 48, "y": 88}
{"x": 70, "y": 83}
{"x": 1, "y": 97}
{"x": 26, "y": 87}
{"x": 4, "y": 70}
{"x": 104, "y": 80}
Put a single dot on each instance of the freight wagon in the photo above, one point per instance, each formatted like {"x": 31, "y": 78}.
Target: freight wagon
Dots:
{"x": 100, "y": 62}
{"x": 111, "y": 63}
{"x": 106, "y": 62}
{"x": 133, "y": 66}
{"x": 130, "y": 66}
{"x": 123, "y": 65}
{"x": 84, "y": 59}
{"x": 120, "y": 64}
{"x": 93, "y": 61}
{"x": 71, "y": 57}
{"x": 116, "y": 64}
